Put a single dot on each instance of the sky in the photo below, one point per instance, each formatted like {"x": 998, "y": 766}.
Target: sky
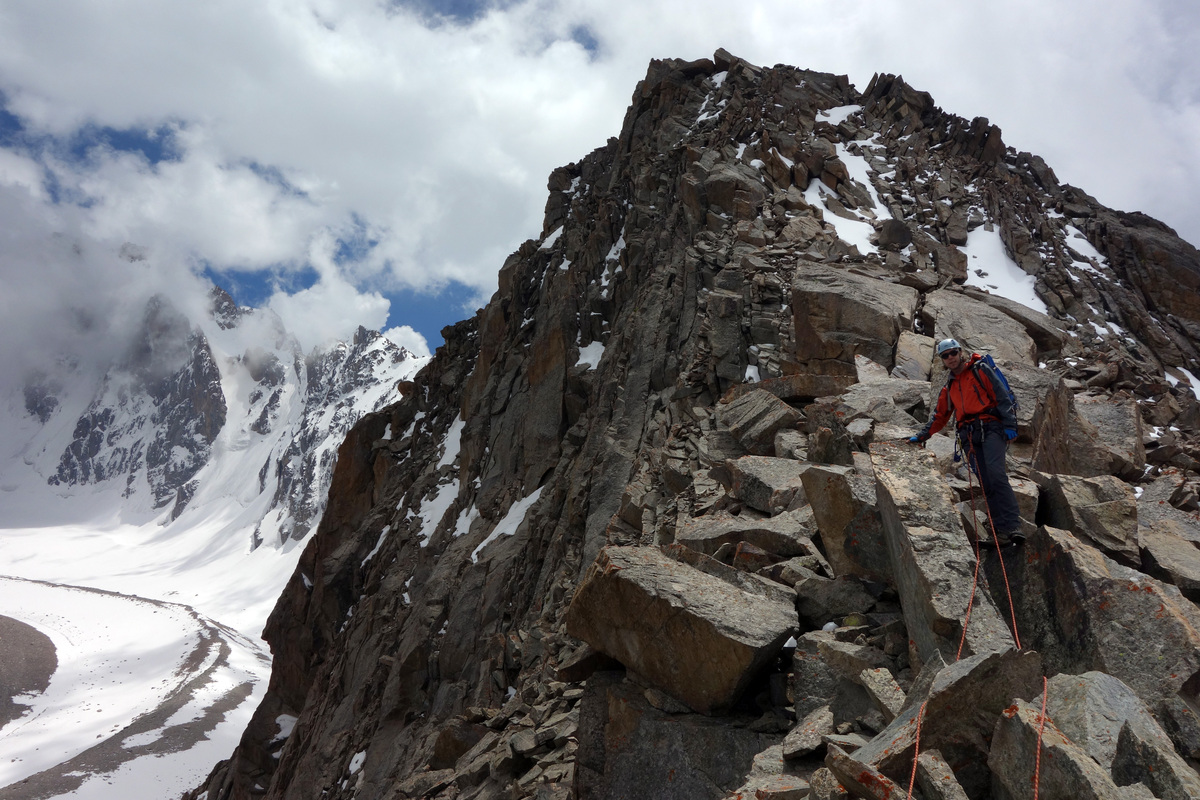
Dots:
{"x": 373, "y": 162}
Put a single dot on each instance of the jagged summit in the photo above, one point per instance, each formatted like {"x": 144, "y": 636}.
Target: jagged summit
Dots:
{"x": 594, "y": 550}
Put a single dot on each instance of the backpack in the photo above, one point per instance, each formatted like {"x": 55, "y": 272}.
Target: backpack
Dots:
{"x": 987, "y": 359}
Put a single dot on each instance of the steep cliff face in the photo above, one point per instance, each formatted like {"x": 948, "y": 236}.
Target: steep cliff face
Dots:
{"x": 678, "y": 419}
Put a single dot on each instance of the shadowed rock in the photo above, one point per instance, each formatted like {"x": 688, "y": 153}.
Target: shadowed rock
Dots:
{"x": 844, "y": 507}
{"x": 820, "y": 600}
{"x": 814, "y": 682}
{"x": 786, "y": 534}
{"x": 1101, "y": 510}
{"x": 1144, "y": 755}
{"x": 623, "y": 740}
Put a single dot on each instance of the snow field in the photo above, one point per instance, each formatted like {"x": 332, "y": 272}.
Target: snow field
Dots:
{"x": 509, "y": 524}
{"x": 989, "y": 267}
{"x": 119, "y": 658}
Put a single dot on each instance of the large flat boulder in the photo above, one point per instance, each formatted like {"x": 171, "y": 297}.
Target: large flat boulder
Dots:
{"x": 755, "y": 417}
{"x": 697, "y": 637}
{"x": 1092, "y": 708}
{"x": 861, "y": 778}
{"x": 914, "y": 356}
{"x": 1045, "y": 331}
{"x": 1101, "y": 510}
{"x": 1084, "y": 611}
{"x": 821, "y": 600}
{"x": 844, "y": 506}
{"x": 931, "y": 558}
{"x": 808, "y": 736}
{"x": 1088, "y": 436}
{"x": 1144, "y": 757}
{"x": 886, "y": 400}
{"x": 1155, "y": 509}
{"x": 771, "y": 485}
{"x": 814, "y": 682}
{"x": 838, "y": 314}
{"x": 1030, "y": 385}
{"x": 978, "y": 326}
{"x": 823, "y": 379}
{"x": 1118, "y": 420}
{"x": 936, "y": 778}
{"x": 786, "y": 534}
{"x": 1171, "y": 558}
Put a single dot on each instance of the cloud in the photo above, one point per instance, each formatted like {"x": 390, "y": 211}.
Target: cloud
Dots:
{"x": 410, "y": 340}
{"x": 330, "y": 309}
{"x": 66, "y": 295}
{"x": 411, "y": 156}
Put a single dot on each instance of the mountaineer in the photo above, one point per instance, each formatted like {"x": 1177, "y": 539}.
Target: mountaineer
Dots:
{"x": 987, "y": 422}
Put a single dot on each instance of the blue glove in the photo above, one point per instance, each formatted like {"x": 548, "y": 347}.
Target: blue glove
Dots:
{"x": 1010, "y": 433}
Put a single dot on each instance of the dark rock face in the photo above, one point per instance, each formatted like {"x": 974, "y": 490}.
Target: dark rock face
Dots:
{"x": 610, "y": 444}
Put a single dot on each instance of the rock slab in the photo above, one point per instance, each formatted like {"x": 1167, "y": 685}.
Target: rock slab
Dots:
{"x": 697, "y": 637}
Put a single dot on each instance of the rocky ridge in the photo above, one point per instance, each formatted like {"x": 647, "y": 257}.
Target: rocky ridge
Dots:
{"x": 646, "y": 526}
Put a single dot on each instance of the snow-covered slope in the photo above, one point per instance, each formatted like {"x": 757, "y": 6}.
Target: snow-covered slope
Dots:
{"x": 192, "y": 468}
{"x": 181, "y": 481}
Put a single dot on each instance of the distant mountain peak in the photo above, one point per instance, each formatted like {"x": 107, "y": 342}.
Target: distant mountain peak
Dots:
{"x": 155, "y": 421}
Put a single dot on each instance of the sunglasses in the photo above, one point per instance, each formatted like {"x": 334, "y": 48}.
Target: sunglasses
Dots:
{"x": 949, "y": 353}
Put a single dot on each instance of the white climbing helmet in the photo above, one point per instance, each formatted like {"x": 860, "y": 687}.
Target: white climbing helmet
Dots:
{"x": 947, "y": 344}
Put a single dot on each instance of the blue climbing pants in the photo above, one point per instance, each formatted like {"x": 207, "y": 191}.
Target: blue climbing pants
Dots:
{"x": 985, "y": 446}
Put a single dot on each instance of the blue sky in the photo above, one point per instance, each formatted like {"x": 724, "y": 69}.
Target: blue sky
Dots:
{"x": 347, "y": 162}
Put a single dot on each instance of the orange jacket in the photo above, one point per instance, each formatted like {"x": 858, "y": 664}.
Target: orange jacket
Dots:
{"x": 974, "y": 394}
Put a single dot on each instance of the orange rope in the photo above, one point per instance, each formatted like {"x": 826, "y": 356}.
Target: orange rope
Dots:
{"x": 1012, "y": 610}
{"x": 975, "y": 578}
{"x": 917, "y": 751}
{"x": 1037, "y": 766}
